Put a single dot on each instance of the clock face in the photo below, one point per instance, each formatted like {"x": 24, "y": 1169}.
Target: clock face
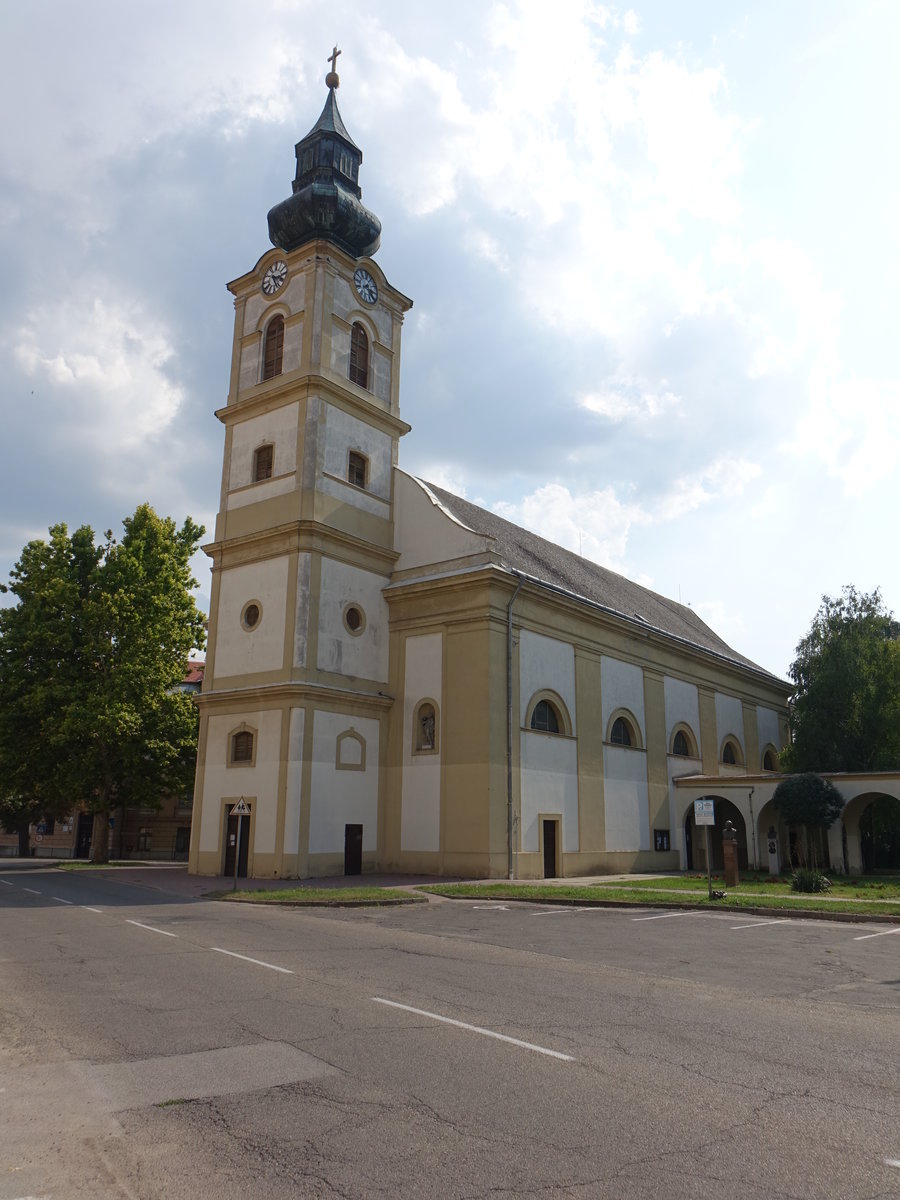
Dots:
{"x": 365, "y": 285}
{"x": 274, "y": 278}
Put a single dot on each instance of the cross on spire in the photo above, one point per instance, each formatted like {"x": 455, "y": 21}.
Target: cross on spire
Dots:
{"x": 333, "y": 57}
{"x": 332, "y": 79}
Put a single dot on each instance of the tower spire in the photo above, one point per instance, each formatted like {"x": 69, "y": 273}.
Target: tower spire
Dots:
{"x": 326, "y": 201}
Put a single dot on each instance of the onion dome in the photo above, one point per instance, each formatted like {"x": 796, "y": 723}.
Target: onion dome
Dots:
{"x": 326, "y": 201}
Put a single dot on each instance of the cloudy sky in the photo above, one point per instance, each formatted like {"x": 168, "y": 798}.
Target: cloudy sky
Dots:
{"x": 654, "y": 253}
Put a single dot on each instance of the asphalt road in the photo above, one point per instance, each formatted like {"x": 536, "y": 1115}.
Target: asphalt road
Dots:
{"x": 156, "y": 1047}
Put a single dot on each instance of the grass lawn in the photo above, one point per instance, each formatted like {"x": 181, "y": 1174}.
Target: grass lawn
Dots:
{"x": 880, "y": 898}
{"x": 327, "y": 896}
{"x": 89, "y": 866}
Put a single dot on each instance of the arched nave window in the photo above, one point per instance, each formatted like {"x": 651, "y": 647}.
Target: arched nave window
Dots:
{"x": 731, "y": 752}
{"x": 683, "y": 744}
{"x": 623, "y": 731}
{"x": 770, "y": 759}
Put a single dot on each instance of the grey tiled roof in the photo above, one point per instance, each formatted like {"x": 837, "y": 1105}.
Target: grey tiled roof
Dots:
{"x": 525, "y": 552}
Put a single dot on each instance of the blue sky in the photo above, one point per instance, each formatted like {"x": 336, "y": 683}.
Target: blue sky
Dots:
{"x": 653, "y": 252}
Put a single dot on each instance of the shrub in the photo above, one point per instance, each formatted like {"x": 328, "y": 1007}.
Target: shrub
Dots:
{"x": 808, "y": 879}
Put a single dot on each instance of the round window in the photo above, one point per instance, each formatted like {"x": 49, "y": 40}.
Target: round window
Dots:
{"x": 250, "y": 617}
{"x": 354, "y": 619}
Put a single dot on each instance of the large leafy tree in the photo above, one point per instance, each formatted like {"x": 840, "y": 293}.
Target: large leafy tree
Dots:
{"x": 845, "y": 712}
{"x": 90, "y": 659}
{"x": 810, "y": 804}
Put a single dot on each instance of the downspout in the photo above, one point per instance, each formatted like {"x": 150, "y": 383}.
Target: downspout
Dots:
{"x": 753, "y": 829}
{"x": 509, "y": 746}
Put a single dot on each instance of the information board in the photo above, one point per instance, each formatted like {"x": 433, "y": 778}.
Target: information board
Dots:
{"x": 704, "y": 812}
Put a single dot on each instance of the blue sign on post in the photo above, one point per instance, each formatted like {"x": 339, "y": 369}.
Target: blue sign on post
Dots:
{"x": 704, "y": 812}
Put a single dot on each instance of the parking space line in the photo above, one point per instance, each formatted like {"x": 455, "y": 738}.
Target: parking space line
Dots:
{"x": 884, "y": 933}
{"x": 59, "y": 900}
{"x": 665, "y": 916}
{"x": 892, "y": 1162}
{"x": 257, "y": 961}
{"x": 491, "y": 1033}
{"x": 152, "y": 928}
{"x": 88, "y": 908}
{"x": 33, "y": 891}
{"x": 757, "y": 924}
{"x": 8, "y": 882}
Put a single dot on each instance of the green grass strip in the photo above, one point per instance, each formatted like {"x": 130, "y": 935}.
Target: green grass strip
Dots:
{"x": 646, "y": 896}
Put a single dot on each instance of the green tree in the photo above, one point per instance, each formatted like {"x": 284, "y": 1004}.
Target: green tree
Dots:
{"x": 810, "y": 804}
{"x": 845, "y": 711}
{"x": 90, "y": 659}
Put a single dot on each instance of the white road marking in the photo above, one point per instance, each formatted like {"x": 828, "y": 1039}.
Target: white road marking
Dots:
{"x": 892, "y": 1162}
{"x": 257, "y": 961}
{"x": 59, "y": 900}
{"x": 884, "y": 933}
{"x": 152, "y": 928}
{"x": 757, "y": 924}
{"x": 8, "y": 882}
{"x": 492, "y": 907}
{"x": 501, "y": 1037}
{"x": 665, "y": 916}
{"x": 33, "y": 891}
{"x": 554, "y": 912}
{"x": 88, "y": 908}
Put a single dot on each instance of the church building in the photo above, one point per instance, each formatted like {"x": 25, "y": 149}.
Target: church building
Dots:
{"x": 397, "y": 679}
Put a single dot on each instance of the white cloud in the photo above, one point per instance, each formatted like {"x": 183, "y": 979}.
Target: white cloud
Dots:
{"x": 723, "y": 479}
{"x": 630, "y": 400}
{"x": 108, "y": 363}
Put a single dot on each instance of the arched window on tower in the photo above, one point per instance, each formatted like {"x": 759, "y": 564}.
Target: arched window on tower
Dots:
{"x": 359, "y": 356}
{"x": 274, "y": 348}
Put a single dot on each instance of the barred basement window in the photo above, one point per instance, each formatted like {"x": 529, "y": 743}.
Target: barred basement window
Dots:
{"x": 359, "y": 356}
{"x": 274, "y": 348}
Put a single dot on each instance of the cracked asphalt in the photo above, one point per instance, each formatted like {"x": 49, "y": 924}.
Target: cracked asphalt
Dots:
{"x": 154, "y": 1045}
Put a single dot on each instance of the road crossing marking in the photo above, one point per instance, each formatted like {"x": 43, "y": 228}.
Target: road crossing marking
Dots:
{"x": 257, "y": 961}
{"x": 152, "y": 928}
{"x": 884, "y": 933}
{"x": 664, "y": 916}
{"x": 501, "y": 1037}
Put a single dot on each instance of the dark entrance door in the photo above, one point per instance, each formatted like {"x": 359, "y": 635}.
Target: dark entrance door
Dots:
{"x": 353, "y": 849}
{"x": 231, "y": 849}
{"x": 550, "y": 849}
{"x": 84, "y": 835}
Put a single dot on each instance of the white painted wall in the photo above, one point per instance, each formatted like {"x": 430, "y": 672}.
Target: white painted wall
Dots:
{"x": 294, "y": 783}
{"x": 238, "y": 650}
{"x": 546, "y": 663}
{"x": 364, "y": 655}
{"x": 424, "y": 533}
{"x": 259, "y": 781}
{"x": 420, "y": 820}
{"x": 278, "y": 427}
{"x": 339, "y": 798}
{"x": 621, "y": 686}
{"x": 301, "y": 625}
{"x": 730, "y": 720}
{"x": 682, "y": 707}
{"x": 549, "y": 778}
{"x": 767, "y": 728}
{"x": 344, "y": 433}
{"x": 626, "y": 798}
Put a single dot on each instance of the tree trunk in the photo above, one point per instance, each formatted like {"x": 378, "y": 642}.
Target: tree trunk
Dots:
{"x": 100, "y": 838}
{"x": 24, "y": 841}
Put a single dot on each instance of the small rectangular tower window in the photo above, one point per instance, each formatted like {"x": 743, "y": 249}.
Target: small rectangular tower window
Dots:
{"x": 356, "y": 469}
{"x": 263, "y": 462}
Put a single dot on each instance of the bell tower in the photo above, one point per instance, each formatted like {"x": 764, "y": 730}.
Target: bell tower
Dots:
{"x": 293, "y": 711}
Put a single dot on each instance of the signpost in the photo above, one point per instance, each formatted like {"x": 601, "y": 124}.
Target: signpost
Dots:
{"x": 705, "y": 814}
{"x": 241, "y": 810}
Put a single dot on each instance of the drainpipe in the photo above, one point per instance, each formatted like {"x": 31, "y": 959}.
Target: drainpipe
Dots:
{"x": 509, "y": 778}
{"x": 753, "y": 829}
